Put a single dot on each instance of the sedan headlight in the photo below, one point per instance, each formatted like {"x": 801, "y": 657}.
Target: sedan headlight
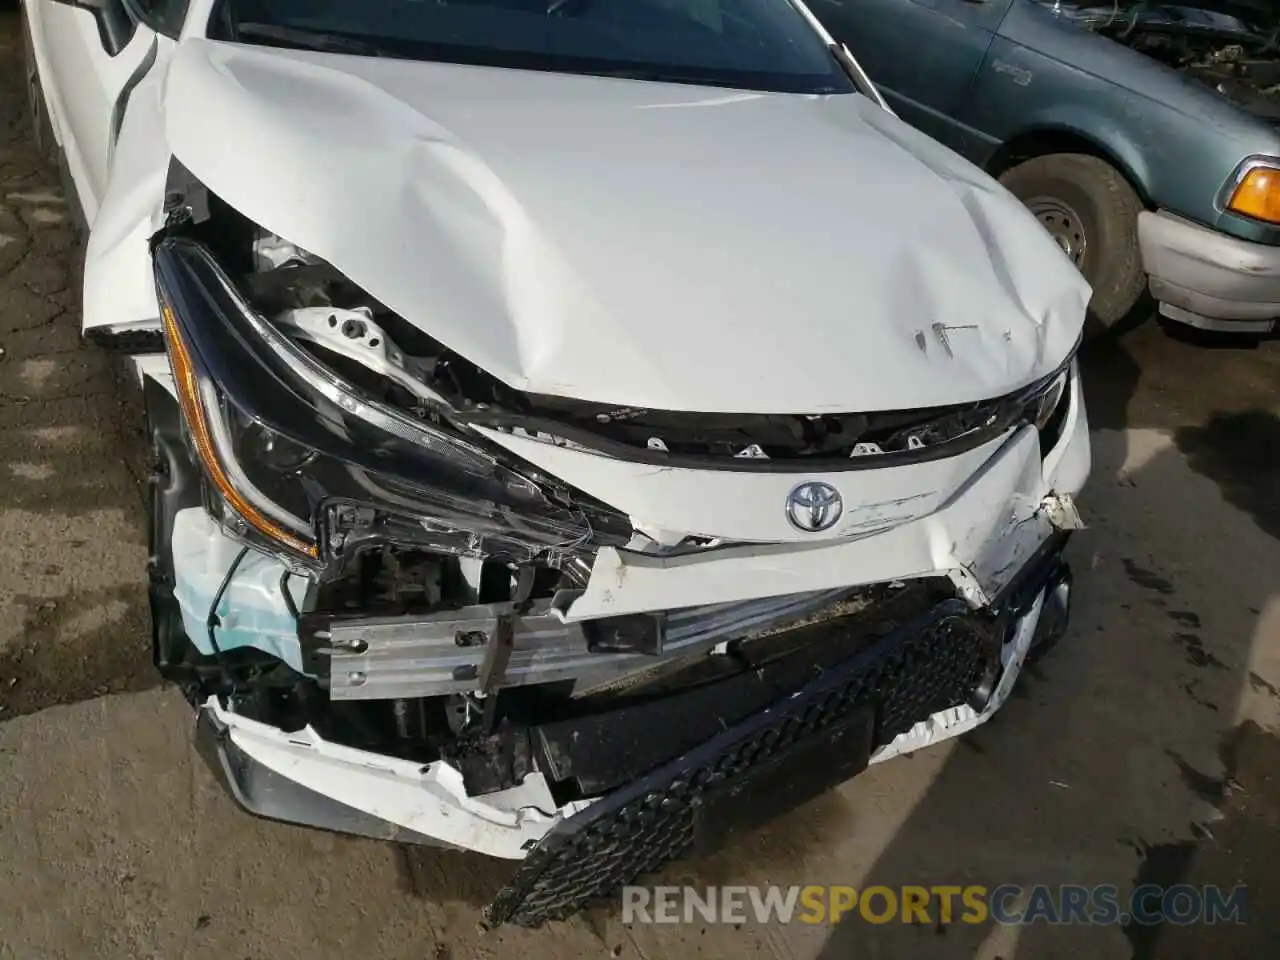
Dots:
{"x": 1049, "y": 403}
{"x": 1046, "y": 401}
{"x": 308, "y": 465}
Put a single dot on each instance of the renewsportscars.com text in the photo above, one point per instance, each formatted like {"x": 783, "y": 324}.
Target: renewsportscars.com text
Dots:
{"x": 1008, "y": 904}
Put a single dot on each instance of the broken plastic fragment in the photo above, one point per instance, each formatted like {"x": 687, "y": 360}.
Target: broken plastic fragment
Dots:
{"x": 1062, "y": 511}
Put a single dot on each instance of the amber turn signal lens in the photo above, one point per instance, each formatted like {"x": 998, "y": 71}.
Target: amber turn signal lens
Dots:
{"x": 1258, "y": 195}
{"x": 188, "y": 390}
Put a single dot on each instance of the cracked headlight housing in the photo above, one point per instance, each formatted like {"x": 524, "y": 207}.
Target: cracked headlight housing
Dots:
{"x": 1047, "y": 400}
{"x": 1049, "y": 403}
{"x": 300, "y": 462}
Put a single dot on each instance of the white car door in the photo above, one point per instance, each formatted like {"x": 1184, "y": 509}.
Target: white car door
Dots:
{"x": 89, "y": 55}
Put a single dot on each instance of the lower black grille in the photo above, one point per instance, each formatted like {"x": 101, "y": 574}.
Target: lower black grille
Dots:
{"x": 933, "y": 663}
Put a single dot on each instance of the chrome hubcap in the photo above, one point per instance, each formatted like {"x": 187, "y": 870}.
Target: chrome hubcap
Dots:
{"x": 1063, "y": 224}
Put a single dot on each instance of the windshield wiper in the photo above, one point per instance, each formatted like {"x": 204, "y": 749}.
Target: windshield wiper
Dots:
{"x": 302, "y": 38}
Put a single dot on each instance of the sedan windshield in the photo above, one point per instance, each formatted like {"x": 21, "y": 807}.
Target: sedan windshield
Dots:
{"x": 750, "y": 44}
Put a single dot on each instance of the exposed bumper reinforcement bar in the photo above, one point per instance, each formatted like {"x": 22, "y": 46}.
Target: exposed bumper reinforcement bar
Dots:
{"x": 387, "y": 658}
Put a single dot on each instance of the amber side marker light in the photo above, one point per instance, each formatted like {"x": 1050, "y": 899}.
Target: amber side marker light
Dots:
{"x": 1257, "y": 195}
{"x": 187, "y": 384}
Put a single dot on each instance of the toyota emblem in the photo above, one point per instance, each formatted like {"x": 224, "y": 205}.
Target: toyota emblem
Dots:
{"x": 814, "y": 506}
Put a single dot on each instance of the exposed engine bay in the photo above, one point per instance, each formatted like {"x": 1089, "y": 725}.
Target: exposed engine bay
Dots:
{"x": 1232, "y": 46}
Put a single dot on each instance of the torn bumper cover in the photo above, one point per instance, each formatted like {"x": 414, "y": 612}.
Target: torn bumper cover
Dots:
{"x": 675, "y": 773}
{"x": 934, "y": 668}
{"x": 800, "y": 727}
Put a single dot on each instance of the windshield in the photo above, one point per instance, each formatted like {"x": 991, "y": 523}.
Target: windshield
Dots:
{"x": 751, "y": 44}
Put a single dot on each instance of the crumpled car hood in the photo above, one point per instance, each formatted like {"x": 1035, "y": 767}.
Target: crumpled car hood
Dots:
{"x": 666, "y": 246}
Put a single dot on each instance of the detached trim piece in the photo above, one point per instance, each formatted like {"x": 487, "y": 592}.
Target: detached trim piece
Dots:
{"x": 934, "y": 662}
{"x": 802, "y": 744}
{"x": 261, "y": 791}
{"x": 116, "y": 26}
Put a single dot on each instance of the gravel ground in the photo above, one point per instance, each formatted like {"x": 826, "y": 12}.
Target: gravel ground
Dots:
{"x": 1143, "y": 749}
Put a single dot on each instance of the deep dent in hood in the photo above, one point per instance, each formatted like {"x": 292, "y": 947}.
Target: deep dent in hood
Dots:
{"x": 666, "y": 246}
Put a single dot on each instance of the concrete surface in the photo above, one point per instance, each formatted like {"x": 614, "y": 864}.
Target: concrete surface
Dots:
{"x": 1143, "y": 749}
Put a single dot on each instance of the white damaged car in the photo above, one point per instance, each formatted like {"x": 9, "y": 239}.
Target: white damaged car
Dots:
{"x": 582, "y": 429}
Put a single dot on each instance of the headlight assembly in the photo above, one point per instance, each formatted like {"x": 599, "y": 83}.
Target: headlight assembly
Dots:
{"x": 1044, "y": 404}
{"x": 1049, "y": 403}
{"x": 201, "y": 409}
{"x": 307, "y": 465}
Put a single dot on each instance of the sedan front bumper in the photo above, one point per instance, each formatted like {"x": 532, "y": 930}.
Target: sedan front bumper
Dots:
{"x": 791, "y": 735}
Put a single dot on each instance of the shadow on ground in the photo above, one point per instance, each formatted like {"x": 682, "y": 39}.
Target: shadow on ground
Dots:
{"x": 1240, "y": 452}
{"x": 1123, "y": 759}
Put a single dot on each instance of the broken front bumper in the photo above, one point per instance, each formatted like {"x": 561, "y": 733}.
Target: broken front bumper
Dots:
{"x": 932, "y": 672}
{"x": 799, "y": 729}
{"x": 661, "y": 777}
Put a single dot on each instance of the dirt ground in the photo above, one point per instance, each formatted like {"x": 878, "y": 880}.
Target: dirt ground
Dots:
{"x": 1143, "y": 749}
